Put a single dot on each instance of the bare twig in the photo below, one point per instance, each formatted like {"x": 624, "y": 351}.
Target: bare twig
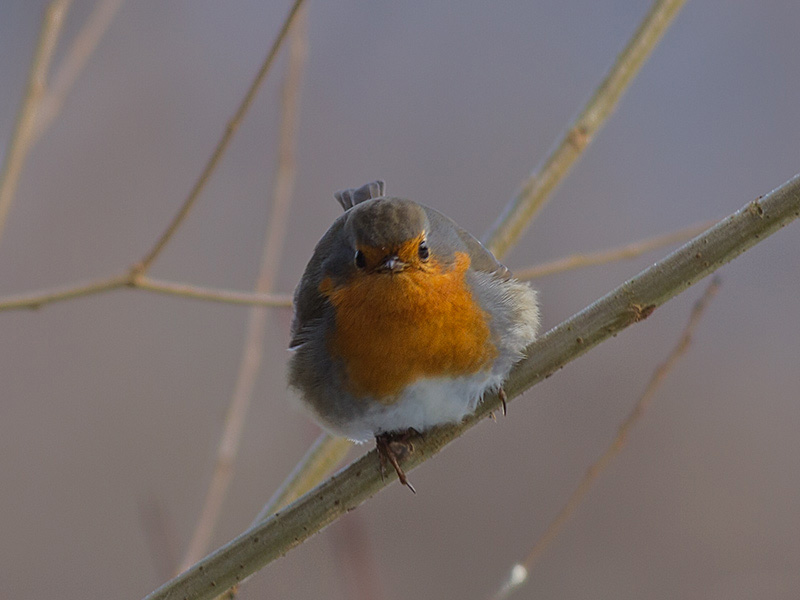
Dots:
{"x": 223, "y": 143}
{"x": 535, "y": 190}
{"x": 632, "y": 250}
{"x": 253, "y": 349}
{"x": 74, "y": 62}
{"x": 630, "y": 303}
{"x": 22, "y": 138}
{"x": 519, "y": 572}
{"x": 39, "y": 299}
{"x": 262, "y": 299}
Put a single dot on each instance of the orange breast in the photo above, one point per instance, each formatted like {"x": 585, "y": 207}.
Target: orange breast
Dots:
{"x": 393, "y": 329}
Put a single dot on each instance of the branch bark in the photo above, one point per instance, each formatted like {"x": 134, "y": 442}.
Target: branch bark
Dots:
{"x": 630, "y": 303}
{"x": 36, "y": 300}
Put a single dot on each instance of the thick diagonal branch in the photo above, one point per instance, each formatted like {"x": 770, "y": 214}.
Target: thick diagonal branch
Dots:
{"x": 630, "y": 303}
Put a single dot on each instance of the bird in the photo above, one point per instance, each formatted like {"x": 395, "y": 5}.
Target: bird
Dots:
{"x": 402, "y": 322}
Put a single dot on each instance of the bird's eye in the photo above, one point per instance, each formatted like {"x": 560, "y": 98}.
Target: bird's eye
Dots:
{"x": 360, "y": 260}
{"x": 424, "y": 253}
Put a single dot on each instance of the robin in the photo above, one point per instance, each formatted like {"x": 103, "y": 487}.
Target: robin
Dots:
{"x": 402, "y": 321}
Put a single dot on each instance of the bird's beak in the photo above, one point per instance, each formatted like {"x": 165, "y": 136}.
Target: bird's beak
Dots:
{"x": 392, "y": 264}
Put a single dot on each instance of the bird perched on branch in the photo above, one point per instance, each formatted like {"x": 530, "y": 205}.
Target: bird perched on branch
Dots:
{"x": 402, "y": 322}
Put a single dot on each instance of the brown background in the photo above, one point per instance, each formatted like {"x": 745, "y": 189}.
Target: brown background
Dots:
{"x": 113, "y": 402}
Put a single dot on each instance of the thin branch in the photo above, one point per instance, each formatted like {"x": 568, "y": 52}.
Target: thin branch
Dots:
{"x": 630, "y": 303}
{"x": 132, "y": 281}
{"x": 22, "y": 138}
{"x": 632, "y": 250}
{"x": 40, "y": 299}
{"x": 74, "y": 62}
{"x": 535, "y": 190}
{"x": 214, "y": 295}
{"x": 252, "y": 353}
{"x": 223, "y": 143}
{"x": 519, "y": 572}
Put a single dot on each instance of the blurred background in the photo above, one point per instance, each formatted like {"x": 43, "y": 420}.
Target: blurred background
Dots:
{"x": 112, "y": 405}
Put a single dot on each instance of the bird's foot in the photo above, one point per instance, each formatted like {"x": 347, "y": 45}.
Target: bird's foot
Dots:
{"x": 393, "y": 447}
{"x": 501, "y": 393}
